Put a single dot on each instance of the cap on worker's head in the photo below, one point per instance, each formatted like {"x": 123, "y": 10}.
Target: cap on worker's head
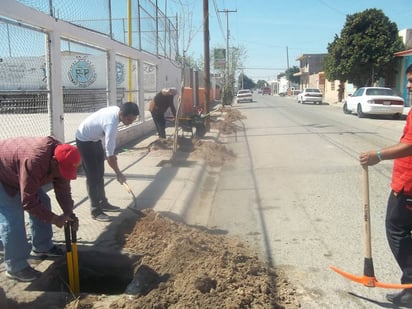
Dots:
{"x": 68, "y": 157}
{"x": 173, "y": 90}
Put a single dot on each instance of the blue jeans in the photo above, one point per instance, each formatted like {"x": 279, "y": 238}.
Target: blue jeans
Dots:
{"x": 13, "y": 230}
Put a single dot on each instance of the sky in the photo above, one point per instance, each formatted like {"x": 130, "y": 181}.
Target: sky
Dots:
{"x": 275, "y": 32}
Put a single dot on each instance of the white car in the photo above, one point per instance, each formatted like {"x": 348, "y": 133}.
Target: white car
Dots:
{"x": 310, "y": 95}
{"x": 374, "y": 101}
{"x": 244, "y": 95}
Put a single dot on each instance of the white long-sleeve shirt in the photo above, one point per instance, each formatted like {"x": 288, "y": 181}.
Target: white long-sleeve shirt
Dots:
{"x": 101, "y": 126}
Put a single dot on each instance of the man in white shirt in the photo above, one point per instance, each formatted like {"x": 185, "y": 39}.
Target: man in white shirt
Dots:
{"x": 96, "y": 140}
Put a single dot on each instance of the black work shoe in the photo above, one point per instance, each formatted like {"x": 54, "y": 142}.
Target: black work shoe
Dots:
{"x": 108, "y": 207}
{"x": 101, "y": 216}
{"x": 404, "y": 297}
{"x": 27, "y": 274}
{"x": 53, "y": 252}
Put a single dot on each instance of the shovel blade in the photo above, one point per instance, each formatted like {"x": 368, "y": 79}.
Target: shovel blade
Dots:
{"x": 365, "y": 280}
{"x": 370, "y": 282}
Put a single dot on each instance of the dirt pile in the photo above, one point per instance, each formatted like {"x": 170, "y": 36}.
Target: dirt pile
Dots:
{"x": 190, "y": 267}
{"x": 227, "y": 123}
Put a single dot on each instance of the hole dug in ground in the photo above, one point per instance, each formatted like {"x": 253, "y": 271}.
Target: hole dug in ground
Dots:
{"x": 101, "y": 273}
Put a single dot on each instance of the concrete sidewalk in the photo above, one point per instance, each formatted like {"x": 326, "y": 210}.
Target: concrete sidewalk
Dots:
{"x": 156, "y": 181}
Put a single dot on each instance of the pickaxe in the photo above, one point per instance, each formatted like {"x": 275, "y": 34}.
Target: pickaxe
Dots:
{"x": 368, "y": 279}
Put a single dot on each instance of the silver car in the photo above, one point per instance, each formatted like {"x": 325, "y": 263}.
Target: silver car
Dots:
{"x": 374, "y": 101}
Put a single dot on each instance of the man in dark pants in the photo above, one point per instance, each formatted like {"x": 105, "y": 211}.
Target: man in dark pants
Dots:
{"x": 96, "y": 140}
{"x": 398, "y": 220}
{"x": 158, "y": 107}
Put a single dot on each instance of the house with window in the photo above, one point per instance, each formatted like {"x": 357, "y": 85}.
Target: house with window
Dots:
{"x": 405, "y": 57}
{"x": 312, "y": 76}
{"x": 310, "y": 66}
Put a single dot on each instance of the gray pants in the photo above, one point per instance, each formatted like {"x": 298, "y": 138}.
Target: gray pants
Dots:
{"x": 93, "y": 157}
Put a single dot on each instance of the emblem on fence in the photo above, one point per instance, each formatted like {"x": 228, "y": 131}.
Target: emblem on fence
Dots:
{"x": 82, "y": 73}
{"x": 119, "y": 73}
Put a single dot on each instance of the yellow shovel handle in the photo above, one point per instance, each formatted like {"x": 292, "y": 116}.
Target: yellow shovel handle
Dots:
{"x": 76, "y": 284}
{"x": 70, "y": 271}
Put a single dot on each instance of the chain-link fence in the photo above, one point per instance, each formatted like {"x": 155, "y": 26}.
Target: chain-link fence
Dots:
{"x": 54, "y": 73}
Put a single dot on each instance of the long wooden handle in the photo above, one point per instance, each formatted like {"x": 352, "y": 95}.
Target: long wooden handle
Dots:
{"x": 366, "y": 211}
{"x": 129, "y": 189}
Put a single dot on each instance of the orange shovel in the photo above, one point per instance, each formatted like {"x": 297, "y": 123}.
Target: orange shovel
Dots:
{"x": 368, "y": 279}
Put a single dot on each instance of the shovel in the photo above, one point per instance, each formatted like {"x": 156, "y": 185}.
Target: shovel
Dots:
{"x": 133, "y": 206}
{"x": 368, "y": 279}
{"x": 72, "y": 257}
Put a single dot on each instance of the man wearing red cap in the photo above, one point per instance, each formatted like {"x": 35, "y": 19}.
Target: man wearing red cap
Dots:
{"x": 27, "y": 164}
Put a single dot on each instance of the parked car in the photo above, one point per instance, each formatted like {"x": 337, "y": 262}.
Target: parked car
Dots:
{"x": 266, "y": 90}
{"x": 374, "y": 101}
{"x": 244, "y": 95}
{"x": 310, "y": 95}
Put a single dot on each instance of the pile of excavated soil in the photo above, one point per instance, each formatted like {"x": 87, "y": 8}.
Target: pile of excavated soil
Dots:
{"x": 189, "y": 267}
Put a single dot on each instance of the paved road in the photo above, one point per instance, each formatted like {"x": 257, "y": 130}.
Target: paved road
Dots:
{"x": 295, "y": 192}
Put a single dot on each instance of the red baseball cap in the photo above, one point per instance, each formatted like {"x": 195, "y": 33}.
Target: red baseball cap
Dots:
{"x": 68, "y": 157}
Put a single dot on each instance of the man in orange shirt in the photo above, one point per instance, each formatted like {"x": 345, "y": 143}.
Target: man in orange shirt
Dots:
{"x": 398, "y": 220}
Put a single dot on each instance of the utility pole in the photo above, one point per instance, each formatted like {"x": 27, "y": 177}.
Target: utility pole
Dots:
{"x": 287, "y": 60}
{"x": 206, "y": 55}
{"x": 226, "y": 11}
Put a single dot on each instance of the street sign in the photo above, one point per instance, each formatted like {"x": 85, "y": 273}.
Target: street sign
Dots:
{"x": 220, "y": 58}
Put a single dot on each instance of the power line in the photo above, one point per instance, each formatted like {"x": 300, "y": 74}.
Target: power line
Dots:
{"x": 218, "y": 18}
{"x": 265, "y": 68}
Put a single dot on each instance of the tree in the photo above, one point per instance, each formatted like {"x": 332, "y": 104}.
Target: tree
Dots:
{"x": 364, "y": 51}
{"x": 289, "y": 75}
{"x": 245, "y": 82}
{"x": 237, "y": 54}
{"x": 261, "y": 83}
{"x": 334, "y": 68}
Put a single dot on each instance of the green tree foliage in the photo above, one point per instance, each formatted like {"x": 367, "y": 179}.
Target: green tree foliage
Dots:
{"x": 261, "y": 83}
{"x": 245, "y": 82}
{"x": 364, "y": 51}
{"x": 289, "y": 75}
